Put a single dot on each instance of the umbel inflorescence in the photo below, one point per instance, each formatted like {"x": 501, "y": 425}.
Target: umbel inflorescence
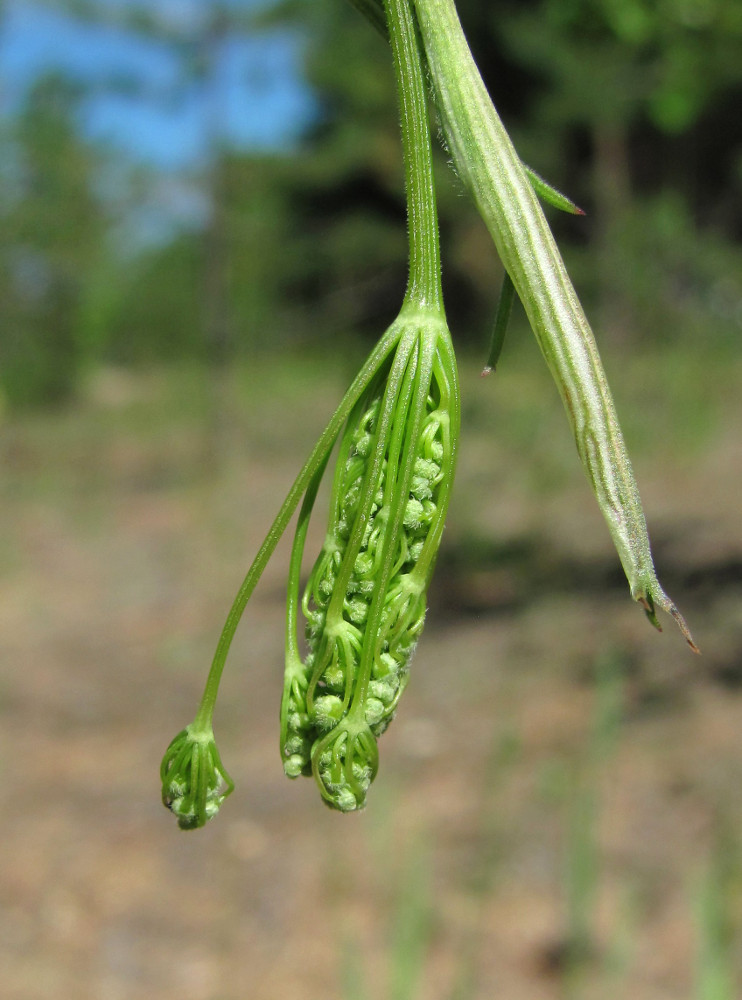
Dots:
{"x": 395, "y": 433}
{"x": 364, "y": 602}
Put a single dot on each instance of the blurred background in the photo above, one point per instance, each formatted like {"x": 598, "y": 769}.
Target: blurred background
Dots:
{"x": 201, "y": 234}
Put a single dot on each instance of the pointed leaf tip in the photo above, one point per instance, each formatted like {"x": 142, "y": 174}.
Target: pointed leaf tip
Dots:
{"x": 683, "y": 626}
{"x": 550, "y": 195}
{"x": 659, "y": 598}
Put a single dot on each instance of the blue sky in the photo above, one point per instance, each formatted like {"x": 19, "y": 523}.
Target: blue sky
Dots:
{"x": 153, "y": 114}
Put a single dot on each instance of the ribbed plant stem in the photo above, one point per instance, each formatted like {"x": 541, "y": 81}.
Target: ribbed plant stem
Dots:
{"x": 316, "y": 460}
{"x": 424, "y": 285}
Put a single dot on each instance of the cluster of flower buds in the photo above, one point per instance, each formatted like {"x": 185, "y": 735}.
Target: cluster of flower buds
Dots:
{"x": 194, "y": 781}
{"x": 364, "y": 602}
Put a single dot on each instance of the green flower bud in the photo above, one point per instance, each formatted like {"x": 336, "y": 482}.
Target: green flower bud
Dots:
{"x": 327, "y": 711}
{"x": 356, "y": 609}
{"x": 364, "y": 564}
{"x": 345, "y": 763}
{"x": 374, "y": 711}
{"x": 415, "y": 550}
{"x": 295, "y": 766}
{"x": 297, "y": 745}
{"x": 413, "y": 514}
{"x": 383, "y": 665}
{"x": 334, "y": 678}
{"x": 194, "y": 781}
{"x": 385, "y": 690}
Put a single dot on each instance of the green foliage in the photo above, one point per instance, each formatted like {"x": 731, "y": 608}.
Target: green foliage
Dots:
{"x": 715, "y": 968}
{"x": 609, "y": 99}
{"x": 607, "y": 60}
{"x": 158, "y": 316}
{"x": 682, "y": 278}
{"x": 51, "y": 230}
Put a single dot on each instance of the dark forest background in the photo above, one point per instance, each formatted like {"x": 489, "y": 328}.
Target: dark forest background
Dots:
{"x": 631, "y": 108}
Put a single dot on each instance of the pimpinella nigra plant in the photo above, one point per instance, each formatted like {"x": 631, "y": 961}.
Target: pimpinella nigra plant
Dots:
{"x": 364, "y": 603}
{"x": 397, "y": 430}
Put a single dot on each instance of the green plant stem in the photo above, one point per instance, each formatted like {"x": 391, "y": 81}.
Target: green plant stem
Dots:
{"x": 490, "y": 167}
{"x": 423, "y": 295}
{"x": 502, "y": 318}
{"x": 411, "y": 402}
{"x": 316, "y": 460}
{"x": 297, "y": 552}
{"x": 424, "y": 285}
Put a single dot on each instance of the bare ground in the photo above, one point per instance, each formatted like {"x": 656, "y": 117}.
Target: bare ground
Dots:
{"x": 125, "y": 534}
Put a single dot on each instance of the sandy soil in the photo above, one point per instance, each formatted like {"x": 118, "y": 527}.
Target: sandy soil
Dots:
{"x": 120, "y": 559}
